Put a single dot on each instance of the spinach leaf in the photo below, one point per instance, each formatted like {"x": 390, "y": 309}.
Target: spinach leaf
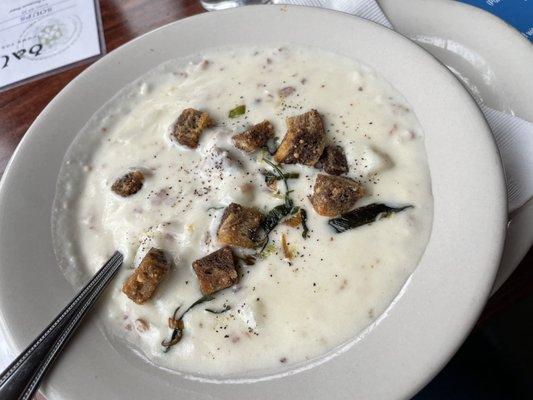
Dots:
{"x": 274, "y": 216}
{"x": 363, "y": 215}
{"x": 221, "y": 311}
{"x": 278, "y": 213}
{"x": 271, "y": 177}
{"x": 177, "y": 326}
{"x": 305, "y": 229}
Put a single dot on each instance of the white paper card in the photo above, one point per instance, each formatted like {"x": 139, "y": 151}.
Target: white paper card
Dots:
{"x": 37, "y": 36}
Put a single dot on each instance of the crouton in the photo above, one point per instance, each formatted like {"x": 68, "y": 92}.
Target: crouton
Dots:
{"x": 129, "y": 184}
{"x": 334, "y": 195}
{"x": 304, "y": 141}
{"x": 333, "y": 160}
{"x": 254, "y": 138}
{"x": 189, "y": 126}
{"x": 216, "y": 271}
{"x": 143, "y": 282}
{"x": 239, "y": 226}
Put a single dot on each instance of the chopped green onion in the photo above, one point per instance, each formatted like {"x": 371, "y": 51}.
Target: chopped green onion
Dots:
{"x": 237, "y": 111}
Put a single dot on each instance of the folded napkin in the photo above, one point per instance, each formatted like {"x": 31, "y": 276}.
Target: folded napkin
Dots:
{"x": 513, "y": 135}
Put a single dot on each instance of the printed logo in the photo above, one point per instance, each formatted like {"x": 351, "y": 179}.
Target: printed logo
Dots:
{"x": 54, "y": 34}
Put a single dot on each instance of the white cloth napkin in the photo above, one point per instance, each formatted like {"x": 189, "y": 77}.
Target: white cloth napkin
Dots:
{"x": 513, "y": 135}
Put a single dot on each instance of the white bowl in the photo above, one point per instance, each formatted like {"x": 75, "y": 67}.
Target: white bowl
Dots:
{"x": 417, "y": 334}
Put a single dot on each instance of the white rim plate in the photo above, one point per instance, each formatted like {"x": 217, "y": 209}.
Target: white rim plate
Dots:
{"x": 417, "y": 335}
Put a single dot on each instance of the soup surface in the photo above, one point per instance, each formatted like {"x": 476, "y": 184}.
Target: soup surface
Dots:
{"x": 305, "y": 292}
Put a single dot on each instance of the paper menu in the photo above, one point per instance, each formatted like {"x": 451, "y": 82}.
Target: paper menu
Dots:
{"x": 41, "y": 36}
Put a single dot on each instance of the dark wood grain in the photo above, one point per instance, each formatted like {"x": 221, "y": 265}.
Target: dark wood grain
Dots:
{"x": 124, "y": 20}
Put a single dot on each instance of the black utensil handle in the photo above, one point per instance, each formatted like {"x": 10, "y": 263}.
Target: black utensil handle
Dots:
{"x": 21, "y": 373}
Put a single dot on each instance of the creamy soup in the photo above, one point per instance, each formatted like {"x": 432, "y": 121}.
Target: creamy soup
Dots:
{"x": 302, "y": 296}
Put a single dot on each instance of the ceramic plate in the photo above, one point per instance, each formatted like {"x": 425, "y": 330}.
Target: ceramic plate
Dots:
{"x": 412, "y": 340}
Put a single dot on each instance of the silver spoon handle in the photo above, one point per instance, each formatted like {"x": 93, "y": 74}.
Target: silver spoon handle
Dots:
{"x": 22, "y": 377}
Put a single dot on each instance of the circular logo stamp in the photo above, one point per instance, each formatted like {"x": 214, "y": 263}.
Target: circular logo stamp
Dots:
{"x": 54, "y": 34}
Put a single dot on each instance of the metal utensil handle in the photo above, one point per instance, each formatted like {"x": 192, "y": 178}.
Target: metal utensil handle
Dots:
{"x": 20, "y": 374}
{"x": 66, "y": 334}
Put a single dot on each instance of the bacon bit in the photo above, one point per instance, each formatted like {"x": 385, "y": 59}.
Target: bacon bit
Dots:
{"x": 286, "y": 91}
{"x": 286, "y": 250}
{"x": 247, "y": 188}
{"x": 160, "y": 196}
{"x": 399, "y": 109}
{"x": 170, "y": 237}
{"x": 295, "y": 220}
{"x": 141, "y": 325}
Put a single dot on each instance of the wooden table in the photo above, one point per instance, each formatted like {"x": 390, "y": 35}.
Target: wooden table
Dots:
{"x": 124, "y": 20}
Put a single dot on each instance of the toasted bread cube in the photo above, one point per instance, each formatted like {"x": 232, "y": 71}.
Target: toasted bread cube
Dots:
{"x": 143, "y": 282}
{"x": 304, "y": 141}
{"x": 334, "y": 195}
{"x": 216, "y": 271}
{"x": 255, "y": 137}
{"x": 129, "y": 184}
{"x": 239, "y": 226}
{"x": 189, "y": 126}
{"x": 334, "y": 160}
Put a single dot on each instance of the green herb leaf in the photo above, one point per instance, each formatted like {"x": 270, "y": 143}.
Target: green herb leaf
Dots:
{"x": 279, "y": 173}
{"x": 177, "y": 323}
{"x": 274, "y": 217}
{"x": 267, "y": 250}
{"x": 305, "y": 229}
{"x": 221, "y": 311}
{"x": 271, "y": 177}
{"x": 215, "y": 208}
{"x": 362, "y": 216}
{"x": 201, "y": 300}
{"x": 278, "y": 213}
{"x": 237, "y": 111}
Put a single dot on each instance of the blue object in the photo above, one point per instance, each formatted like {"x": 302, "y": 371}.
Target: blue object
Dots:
{"x": 518, "y": 13}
